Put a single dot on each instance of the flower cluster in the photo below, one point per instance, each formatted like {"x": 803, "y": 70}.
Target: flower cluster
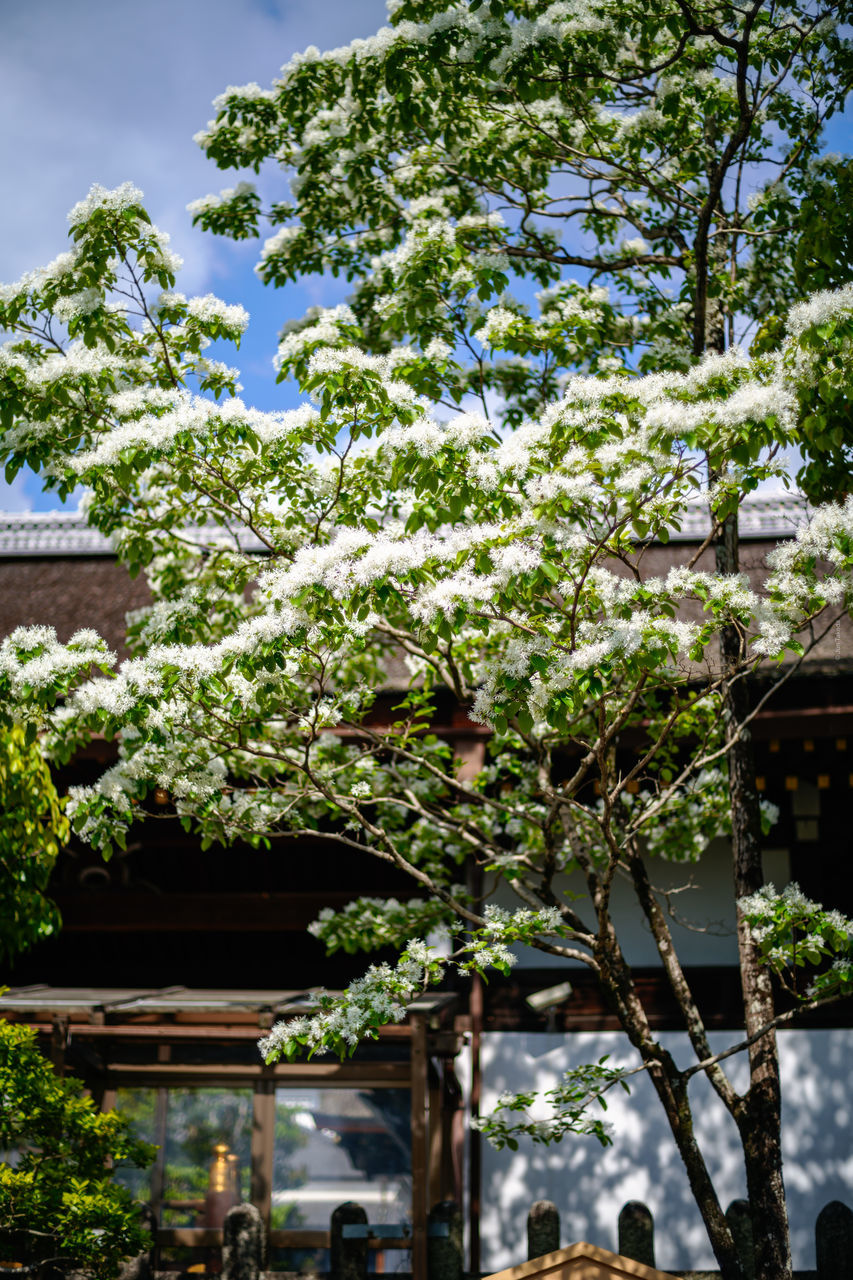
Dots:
{"x": 568, "y": 1104}
{"x": 792, "y": 932}
{"x": 370, "y": 1002}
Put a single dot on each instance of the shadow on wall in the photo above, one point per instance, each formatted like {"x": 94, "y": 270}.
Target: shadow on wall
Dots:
{"x": 589, "y": 1184}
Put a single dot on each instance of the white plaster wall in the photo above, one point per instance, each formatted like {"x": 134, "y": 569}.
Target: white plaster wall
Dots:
{"x": 702, "y": 908}
{"x": 589, "y": 1184}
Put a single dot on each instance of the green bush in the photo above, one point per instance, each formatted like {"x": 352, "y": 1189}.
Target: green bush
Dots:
{"x": 58, "y": 1196}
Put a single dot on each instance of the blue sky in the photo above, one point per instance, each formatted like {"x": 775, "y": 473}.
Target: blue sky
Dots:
{"x": 111, "y": 91}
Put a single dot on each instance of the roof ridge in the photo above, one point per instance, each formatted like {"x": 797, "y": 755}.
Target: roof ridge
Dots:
{"x": 68, "y": 533}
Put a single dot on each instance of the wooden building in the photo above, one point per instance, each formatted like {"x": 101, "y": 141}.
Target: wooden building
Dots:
{"x": 172, "y": 961}
{"x": 295, "y": 1139}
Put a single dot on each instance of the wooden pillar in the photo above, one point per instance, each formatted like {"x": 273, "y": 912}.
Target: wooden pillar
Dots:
{"x": 435, "y": 1130}
{"x": 452, "y": 1151}
{"x": 420, "y": 1169}
{"x": 263, "y": 1149}
{"x": 475, "y": 1150}
{"x": 58, "y": 1043}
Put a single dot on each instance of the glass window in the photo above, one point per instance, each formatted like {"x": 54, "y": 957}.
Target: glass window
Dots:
{"x": 141, "y": 1107}
{"x": 333, "y": 1145}
{"x": 194, "y": 1130}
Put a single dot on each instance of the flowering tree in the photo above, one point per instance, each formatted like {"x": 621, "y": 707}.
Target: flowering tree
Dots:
{"x": 453, "y": 496}
{"x": 292, "y": 555}
{"x": 670, "y": 151}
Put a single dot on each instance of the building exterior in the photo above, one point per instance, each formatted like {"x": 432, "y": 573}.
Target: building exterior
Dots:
{"x": 172, "y": 961}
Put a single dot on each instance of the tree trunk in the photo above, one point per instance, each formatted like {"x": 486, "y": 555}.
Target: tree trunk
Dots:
{"x": 759, "y": 1121}
{"x": 759, "y": 1118}
{"x": 671, "y": 1088}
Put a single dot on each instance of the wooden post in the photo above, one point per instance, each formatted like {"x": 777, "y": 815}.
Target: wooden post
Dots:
{"x": 543, "y": 1229}
{"x": 451, "y": 1165}
{"x": 348, "y": 1260}
{"x": 263, "y": 1144}
{"x": 637, "y": 1233}
{"x": 435, "y": 1129}
{"x": 739, "y": 1218}
{"x": 444, "y": 1242}
{"x": 834, "y": 1242}
{"x": 242, "y": 1243}
{"x": 475, "y": 1146}
{"x": 158, "y": 1169}
{"x": 419, "y": 1147}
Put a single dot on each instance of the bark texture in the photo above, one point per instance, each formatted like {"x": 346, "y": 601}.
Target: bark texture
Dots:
{"x": 758, "y": 1115}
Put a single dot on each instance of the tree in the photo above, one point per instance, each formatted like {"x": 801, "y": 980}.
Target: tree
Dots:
{"x": 405, "y": 150}
{"x": 644, "y": 144}
{"x": 682, "y": 139}
{"x": 58, "y": 1197}
{"x": 507, "y": 567}
{"x": 31, "y": 834}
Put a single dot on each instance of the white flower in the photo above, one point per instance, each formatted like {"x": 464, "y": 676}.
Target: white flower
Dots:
{"x": 210, "y": 308}
{"x": 117, "y": 199}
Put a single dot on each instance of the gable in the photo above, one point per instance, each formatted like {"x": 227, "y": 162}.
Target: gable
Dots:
{"x": 581, "y": 1262}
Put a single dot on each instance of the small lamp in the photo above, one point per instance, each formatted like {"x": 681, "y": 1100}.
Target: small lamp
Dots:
{"x": 222, "y": 1188}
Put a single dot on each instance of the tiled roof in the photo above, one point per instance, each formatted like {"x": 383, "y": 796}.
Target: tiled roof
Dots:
{"x": 774, "y": 515}
{"x": 66, "y": 533}
{"x": 49, "y": 533}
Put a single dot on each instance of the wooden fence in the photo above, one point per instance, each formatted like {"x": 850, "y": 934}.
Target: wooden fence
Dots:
{"x": 351, "y": 1239}
{"x": 833, "y": 1238}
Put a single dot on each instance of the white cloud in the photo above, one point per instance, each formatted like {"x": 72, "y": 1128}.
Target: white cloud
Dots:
{"x": 109, "y": 91}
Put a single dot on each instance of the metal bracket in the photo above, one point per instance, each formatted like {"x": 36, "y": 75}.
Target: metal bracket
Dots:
{"x": 375, "y": 1231}
{"x": 390, "y": 1230}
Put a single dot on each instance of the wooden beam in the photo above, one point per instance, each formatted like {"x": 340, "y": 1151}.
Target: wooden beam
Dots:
{"x": 375, "y": 1075}
{"x": 158, "y": 1031}
{"x": 173, "y": 1031}
{"x": 136, "y": 912}
{"x": 195, "y": 1237}
{"x": 716, "y": 989}
{"x": 296, "y": 1239}
{"x": 800, "y": 722}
